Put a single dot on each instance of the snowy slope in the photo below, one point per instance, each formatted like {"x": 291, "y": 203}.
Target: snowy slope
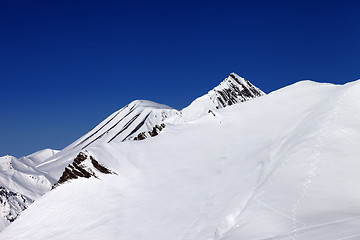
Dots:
{"x": 283, "y": 166}
{"x": 141, "y": 118}
{"x": 124, "y": 124}
{"x": 21, "y": 183}
{"x": 139, "y": 115}
{"x": 32, "y": 176}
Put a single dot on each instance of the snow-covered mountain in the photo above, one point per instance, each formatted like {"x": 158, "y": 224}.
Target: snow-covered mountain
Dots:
{"x": 282, "y": 166}
{"x": 124, "y": 124}
{"x": 140, "y": 119}
{"x": 21, "y": 183}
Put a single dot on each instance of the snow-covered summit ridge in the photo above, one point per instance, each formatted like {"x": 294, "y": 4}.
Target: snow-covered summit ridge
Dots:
{"x": 147, "y": 104}
{"x": 142, "y": 116}
{"x": 124, "y": 123}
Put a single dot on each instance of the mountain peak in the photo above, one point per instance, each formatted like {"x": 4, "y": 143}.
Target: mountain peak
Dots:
{"x": 233, "y": 89}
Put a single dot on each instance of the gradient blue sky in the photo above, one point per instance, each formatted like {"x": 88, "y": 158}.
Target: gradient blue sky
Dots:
{"x": 66, "y": 65}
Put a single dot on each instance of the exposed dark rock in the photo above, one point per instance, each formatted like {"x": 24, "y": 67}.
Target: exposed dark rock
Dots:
{"x": 99, "y": 167}
{"x": 140, "y": 136}
{"x": 210, "y": 111}
{"x": 12, "y": 203}
{"x": 78, "y": 169}
{"x": 154, "y": 132}
{"x": 236, "y": 91}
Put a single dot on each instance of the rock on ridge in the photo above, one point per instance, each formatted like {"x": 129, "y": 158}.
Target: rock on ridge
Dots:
{"x": 233, "y": 89}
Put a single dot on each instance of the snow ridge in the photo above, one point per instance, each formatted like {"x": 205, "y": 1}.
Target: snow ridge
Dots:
{"x": 32, "y": 176}
{"x": 21, "y": 183}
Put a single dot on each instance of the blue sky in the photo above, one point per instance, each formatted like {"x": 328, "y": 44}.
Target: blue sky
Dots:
{"x": 66, "y": 65}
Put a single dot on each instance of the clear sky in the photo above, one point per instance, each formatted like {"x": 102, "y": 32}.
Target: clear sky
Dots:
{"x": 66, "y": 65}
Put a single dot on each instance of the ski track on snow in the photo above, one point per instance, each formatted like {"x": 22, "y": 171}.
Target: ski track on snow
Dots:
{"x": 317, "y": 226}
{"x": 268, "y": 181}
{"x": 349, "y": 237}
{"x": 313, "y": 166}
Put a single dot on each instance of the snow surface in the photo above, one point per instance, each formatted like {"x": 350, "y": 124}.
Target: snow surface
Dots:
{"x": 283, "y": 166}
{"x": 22, "y": 183}
{"x": 21, "y": 175}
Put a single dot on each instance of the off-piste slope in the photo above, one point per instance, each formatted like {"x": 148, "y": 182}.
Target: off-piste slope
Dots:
{"x": 26, "y": 179}
{"x": 283, "y": 166}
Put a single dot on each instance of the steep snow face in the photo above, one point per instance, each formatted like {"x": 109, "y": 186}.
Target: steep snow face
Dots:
{"x": 21, "y": 183}
{"x": 138, "y": 116}
{"x": 125, "y": 124}
{"x": 283, "y": 166}
{"x": 231, "y": 90}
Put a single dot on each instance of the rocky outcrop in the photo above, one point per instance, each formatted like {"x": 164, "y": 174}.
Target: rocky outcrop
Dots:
{"x": 154, "y": 132}
{"x": 232, "y": 90}
{"x": 83, "y": 166}
{"x": 12, "y": 204}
